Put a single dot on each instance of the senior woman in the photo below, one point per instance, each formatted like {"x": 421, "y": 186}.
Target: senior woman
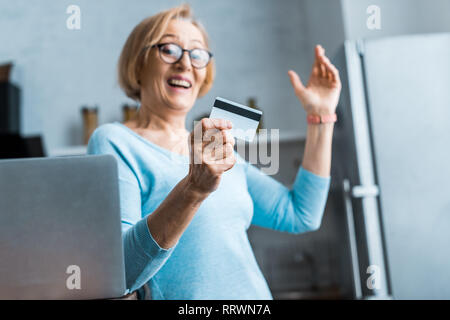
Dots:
{"x": 185, "y": 222}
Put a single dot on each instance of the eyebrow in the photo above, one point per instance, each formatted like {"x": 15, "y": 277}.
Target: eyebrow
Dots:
{"x": 175, "y": 36}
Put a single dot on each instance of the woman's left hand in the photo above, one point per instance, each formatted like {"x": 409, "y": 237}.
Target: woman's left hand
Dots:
{"x": 321, "y": 94}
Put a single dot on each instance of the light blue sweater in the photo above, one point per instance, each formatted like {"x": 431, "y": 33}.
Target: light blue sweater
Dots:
{"x": 213, "y": 258}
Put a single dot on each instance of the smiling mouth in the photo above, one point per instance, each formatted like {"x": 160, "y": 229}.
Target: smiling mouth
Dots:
{"x": 177, "y": 83}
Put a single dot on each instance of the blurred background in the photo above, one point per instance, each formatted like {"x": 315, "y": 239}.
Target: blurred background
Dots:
{"x": 384, "y": 233}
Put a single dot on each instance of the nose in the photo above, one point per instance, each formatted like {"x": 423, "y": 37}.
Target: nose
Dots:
{"x": 185, "y": 61}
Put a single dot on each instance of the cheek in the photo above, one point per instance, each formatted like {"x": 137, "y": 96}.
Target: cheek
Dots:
{"x": 201, "y": 77}
{"x": 154, "y": 77}
{"x": 154, "y": 69}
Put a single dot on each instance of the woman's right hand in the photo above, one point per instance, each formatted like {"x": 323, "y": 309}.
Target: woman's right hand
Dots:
{"x": 211, "y": 154}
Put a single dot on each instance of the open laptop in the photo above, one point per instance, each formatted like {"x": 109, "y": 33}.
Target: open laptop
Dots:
{"x": 60, "y": 233}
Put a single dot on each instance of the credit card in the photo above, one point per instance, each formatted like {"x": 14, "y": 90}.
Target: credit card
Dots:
{"x": 245, "y": 119}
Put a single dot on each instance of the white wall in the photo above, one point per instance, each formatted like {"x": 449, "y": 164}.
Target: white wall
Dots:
{"x": 324, "y": 24}
{"x": 255, "y": 43}
{"x": 397, "y": 17}
{"x": 331, "y": 22}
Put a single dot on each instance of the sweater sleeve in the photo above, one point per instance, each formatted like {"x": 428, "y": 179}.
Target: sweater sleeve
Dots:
{"x": 143, "y": 256}
{"x": 295, "y": 211}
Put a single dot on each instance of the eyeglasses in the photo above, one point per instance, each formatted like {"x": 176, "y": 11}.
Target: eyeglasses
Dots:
{"x": 172, "y": 53}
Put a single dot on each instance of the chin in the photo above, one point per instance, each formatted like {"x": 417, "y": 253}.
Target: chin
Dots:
{"x": 181, "y": 104}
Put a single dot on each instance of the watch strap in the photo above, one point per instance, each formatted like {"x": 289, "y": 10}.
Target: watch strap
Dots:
{"x": 317, "y": 119}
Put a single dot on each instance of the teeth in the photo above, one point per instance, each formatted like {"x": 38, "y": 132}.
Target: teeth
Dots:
{"x": 178, "y": 82}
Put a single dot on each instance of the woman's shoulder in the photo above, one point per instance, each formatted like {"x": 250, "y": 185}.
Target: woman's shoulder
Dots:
{"x": 114, "y": 132}
{"x": 108, "y": 135}
{"x": 107, "y": 131}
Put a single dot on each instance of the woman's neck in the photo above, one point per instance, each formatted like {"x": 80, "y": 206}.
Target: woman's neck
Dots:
{"x": 167, "y": 121}
{"x": 167, "y": 129}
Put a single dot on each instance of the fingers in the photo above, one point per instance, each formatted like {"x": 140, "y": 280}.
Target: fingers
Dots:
{"x": 217, "y": 141}
{"x": 296, "y": 81}
{"x": 223, "y": 158}
{"x": 210, "y": 126}
{"x": 220, "y": 124}
{"x": 322, "y": 67}
{"x": 317, "y": 68}
{"x": 215, "y": 154}
{"x": 227, "y": 163}
{"x": 218, "y": 159}
{"x": 319, "y": 52}
{"x": 210, "y": 145}
{"x": 327, "y": 69}
{"x": 201, "y": 137}
{"x": 211, "y": 152}
{"x": 217, "y": 137}
{"x": 330, "y": 68}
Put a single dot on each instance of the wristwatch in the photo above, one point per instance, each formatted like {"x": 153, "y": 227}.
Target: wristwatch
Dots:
{"x": 326, "y": 118}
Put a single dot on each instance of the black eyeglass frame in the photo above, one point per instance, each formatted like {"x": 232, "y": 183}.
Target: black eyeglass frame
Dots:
{"x": 160, "y": 45}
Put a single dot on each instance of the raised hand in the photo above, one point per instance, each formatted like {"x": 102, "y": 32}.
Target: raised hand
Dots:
{"x": 321, "y": 95}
